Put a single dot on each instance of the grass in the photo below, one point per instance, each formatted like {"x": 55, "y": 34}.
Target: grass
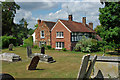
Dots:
{"x": 66, "y": 66}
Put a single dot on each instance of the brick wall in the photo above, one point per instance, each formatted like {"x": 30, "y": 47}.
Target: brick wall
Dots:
{"x": 42, "y": 27}
{"x": 67, "y": 36}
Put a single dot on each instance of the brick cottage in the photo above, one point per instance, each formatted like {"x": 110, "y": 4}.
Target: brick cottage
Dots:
{"x": 63, "y": 33}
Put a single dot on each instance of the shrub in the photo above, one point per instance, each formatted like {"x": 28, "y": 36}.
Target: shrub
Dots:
{"x": 28, "y": 42}
{"x": 36, "y": 46}
{"x": 64, "y": 49}
{"x": 48, "y": 47}
{"x": 6, "y": 40}
{"x": 87, "y": 45}
{"x": 52, "y": 48}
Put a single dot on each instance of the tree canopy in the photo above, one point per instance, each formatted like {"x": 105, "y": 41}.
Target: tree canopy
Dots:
{"x": 110, "y": 21}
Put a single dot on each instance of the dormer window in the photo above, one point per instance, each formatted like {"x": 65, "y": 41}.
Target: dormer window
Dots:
{"x": 59, "y": 35}
{"x": 42, "y": 34}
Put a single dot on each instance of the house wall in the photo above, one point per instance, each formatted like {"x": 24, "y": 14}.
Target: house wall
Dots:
{"x": 67, "y": 36}
{"x": 42, "y": 27}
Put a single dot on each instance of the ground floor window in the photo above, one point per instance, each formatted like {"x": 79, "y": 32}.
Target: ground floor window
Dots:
{"x": 59, "y": 45}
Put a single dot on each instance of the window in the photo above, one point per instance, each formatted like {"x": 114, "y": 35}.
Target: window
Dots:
{"x": 59, "y": 35}
{"x": 59, "y": 45}
{"x": 42, "y": 34}
{"x": 76, "y": 36}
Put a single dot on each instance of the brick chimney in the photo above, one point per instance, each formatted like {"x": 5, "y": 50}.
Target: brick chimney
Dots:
{"x": 70, "y": 18}
{"x": 91, "y": 25}
{"x": 84, "y": 20}
{"x": 39, "y": 21}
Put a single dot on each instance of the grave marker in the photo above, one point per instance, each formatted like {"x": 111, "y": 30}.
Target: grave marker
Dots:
{"x": 42, "y": 50}
{"x": 34, "y": 63}
{"x": 10, "y": 47}
{"x": 29, "y": 51}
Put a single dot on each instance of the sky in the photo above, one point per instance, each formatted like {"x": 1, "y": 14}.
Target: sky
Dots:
{"x": 52, "y": 10}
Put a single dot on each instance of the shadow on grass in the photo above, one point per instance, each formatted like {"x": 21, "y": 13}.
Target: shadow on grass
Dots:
{"x": 113, "y": 53}
{"x": 37, "y": 69}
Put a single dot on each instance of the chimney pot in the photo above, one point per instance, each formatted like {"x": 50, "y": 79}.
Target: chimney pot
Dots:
{"x": 84, "y": 20}
{"x": 70, "y": 18}
{"x": 39, "y": 21}
{"x": 91, "y": 25}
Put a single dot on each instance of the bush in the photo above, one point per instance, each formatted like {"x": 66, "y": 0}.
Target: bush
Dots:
{"x": 28, "y": 42}
{"x": 87, "y": 45}
{"x": 36, "y": 46}
{"x": 64, "y": 49}
{"x": 6, "y": 40}
{"x": 48, "y": 47}
{"x": 52, "y": 48}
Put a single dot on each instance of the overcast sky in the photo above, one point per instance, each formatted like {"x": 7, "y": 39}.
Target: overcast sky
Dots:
{"x": 54, "y": 10}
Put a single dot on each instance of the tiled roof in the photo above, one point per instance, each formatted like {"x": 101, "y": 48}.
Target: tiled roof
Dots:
{"x": 49, "y": 24}
{"x": 77, "y": 27}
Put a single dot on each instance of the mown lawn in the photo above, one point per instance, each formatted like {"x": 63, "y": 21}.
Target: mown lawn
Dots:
{"x": 66, "y": 66}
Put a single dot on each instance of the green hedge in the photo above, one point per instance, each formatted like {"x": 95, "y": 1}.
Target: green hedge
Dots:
{"x": 6, "y": 40}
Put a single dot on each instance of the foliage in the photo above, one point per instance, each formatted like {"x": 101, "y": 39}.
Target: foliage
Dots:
{"x": 48, "y": 46}
{"x": 35, "y": 46}
{"x": 36, "y": 25}
{"x": 64, "y": 49}
{"x": 30, "y": 31}
{"x": 6, "y": 40}
{"x": 28, "y": 42}
{"x": 110, "y": 18}
{"x": 8, "y": 14}
{"x": 52, "y": 48}
{"x": 87, "y": 45}
{"x": 98, "y": 29}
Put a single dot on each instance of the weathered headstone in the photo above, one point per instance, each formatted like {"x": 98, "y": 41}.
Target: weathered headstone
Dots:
{"x": 83, "y": 67}
{"x": 85, "y": 70}
{"x": 34, "y": 63}
{"x": 92, "y": 62}
{"x": 42, "y": 50}
{"x": 4, "y": 76}
{"x": 10, "y": 47}
{"x": 29, "y": 51}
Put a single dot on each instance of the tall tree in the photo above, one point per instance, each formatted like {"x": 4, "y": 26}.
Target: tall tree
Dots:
{"x": 110, "y": 21}
{"x": 8, "y": 14}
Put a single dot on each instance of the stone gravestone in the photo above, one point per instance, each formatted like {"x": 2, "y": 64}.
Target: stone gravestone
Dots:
{"x": 10, "y": 47}
{"x": 34, "y": 63}
{"x": 29, "y": 51}
{"x": 4, "y": 76}
{"x": 42, "y": 50}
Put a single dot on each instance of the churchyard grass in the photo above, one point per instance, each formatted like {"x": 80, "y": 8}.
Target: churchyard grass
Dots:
{"x": 66, "y": 66}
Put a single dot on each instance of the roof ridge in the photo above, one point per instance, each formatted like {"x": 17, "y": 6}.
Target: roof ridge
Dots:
{"x": 49, "y": 21}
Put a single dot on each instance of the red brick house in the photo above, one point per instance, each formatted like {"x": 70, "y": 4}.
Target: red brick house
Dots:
{"x": 42, "y": 35}
{"x": 66, "y": 33}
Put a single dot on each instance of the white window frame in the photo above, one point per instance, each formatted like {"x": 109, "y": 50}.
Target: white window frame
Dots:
{"x": 59, "y": 45}
{"x": 59, "y": 35}
{"x": 41, "y": 34}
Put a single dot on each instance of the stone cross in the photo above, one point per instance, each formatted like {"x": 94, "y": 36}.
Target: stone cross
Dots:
{"x": 11, "y": 47}
{"x": 34, "y": 63}
{"x": 29, "y": 51}
{"x": 42, "y": 50}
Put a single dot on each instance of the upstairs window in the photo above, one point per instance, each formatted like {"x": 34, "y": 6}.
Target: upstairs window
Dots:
{"x": 59, "y": 35}
{"x": 42, "y": 34}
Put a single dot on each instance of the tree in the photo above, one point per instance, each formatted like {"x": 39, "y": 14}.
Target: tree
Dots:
{"x": 36, "y": 25}
{"x": 8, "y": 14}
{"x": 110, "y": 18}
